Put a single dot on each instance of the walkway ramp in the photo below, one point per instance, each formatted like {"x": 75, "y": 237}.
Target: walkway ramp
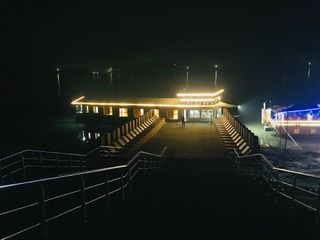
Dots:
{"x": 199, "y": 196}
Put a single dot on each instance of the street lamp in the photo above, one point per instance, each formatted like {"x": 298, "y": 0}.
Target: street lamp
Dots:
{"x": 215, "y": 75}
{"x": 187, "y": 79}
{"x": 109, "y": 70}
{"x": 58, "y": 81}
{"x": 309, "y": 70}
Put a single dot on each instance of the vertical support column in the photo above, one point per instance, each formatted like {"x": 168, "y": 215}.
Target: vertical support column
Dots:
{"x": 0, "y": 172}
{"x": 122, "y": 185}
{"x": 43, "y": 212}
{"x": 108, "y": 139}
{"x": 130, "y": 187}
{"x": 23, "y": 167}
{"x": 122, "y": 130}
{"x": 41, "y": 164}
{"x": 107, "y": 191}
{"x": 118, "y": 133}
{"x": 83, "y": 193}
{"x": 114, "y": 135}
{"x": 256, "y": 146}
{"x": 126, "y": 128}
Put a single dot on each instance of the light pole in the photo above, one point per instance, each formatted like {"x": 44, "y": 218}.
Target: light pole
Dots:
{"x": 109, "y": 70}
{"x": 309, "y": 70}
{"x": 187, "y": 79}
{"x": 215, "y": 75}
{"x": 58, "y": 81}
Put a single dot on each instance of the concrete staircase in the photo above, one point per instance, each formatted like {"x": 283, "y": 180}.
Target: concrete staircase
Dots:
{"x": 193, "y": 199}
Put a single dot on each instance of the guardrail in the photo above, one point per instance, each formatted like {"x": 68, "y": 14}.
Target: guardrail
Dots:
{"x": 33, "y": 205}
{"x": 44, "y": 163}
{"x": 245, "y": 133}
{"x": 301, "y": 188}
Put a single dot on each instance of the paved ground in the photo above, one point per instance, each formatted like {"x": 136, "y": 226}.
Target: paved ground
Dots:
{"x": 195, "y": 141}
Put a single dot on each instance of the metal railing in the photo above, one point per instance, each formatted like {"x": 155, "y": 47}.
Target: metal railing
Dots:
{"x": 32, "y": 164}
{"x": 34, "y": 205}
{"x": 301, "y": 188}
{"x": 249, "y": 137}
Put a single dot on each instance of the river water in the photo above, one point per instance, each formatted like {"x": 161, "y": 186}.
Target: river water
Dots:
{"x": 60, "y": 133}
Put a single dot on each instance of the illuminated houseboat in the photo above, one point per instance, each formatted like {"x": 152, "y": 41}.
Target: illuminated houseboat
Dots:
{"x": 194, "y": 106}
{"x": 296, "y": 122}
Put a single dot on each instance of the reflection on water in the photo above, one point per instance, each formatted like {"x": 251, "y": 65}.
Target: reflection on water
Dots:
{"x": 89, "y": 136}
{"x": 62, "y": 134}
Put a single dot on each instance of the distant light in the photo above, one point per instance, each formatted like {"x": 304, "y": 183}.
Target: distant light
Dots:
{"x": 239, "y": 107}
{"x": 187, "y": 67}
{"x": 309, "y": 63}
{"x": 78, "y": 99}
{"x": 302, "y": 110}
{"x": 58, "y": 69}
{"x": 200, "y": 94}
{"x": 297, "y": 123}
{"x": 216, "y": 66}
{"x": 199, "y": 99}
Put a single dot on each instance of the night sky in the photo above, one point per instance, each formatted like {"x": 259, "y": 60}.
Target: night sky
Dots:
{"x": 262, "y": 47}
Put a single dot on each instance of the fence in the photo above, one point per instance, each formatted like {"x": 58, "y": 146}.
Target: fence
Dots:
{"x": 301, "y": 188}
{"x": 32, "y": 206}
{"x": 251, "y": 140}
{"x": 33, "y": 164}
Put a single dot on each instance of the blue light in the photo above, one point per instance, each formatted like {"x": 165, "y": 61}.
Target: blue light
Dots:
{"x": 302, "y": 110}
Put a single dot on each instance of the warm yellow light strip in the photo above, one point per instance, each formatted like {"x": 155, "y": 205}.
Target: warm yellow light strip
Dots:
{"x": 145, "y": 105}
{"x": 124, "y": 104}
{"x": 200, "y": 94}
{"x": 78, "y": 99}
{"x": 198, "y": 99}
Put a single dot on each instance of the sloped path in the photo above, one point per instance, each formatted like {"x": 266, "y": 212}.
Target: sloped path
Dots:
{"x": 199, "y": 196}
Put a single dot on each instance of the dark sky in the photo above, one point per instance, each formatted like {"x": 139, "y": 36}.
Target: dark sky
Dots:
{"x": 256, "y": 43}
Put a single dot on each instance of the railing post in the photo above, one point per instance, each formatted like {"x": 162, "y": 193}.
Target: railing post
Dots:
{"x": 122, "y": 185}
{"x": 0, "y": 172}
{"x": 41, "y": 164}
{"x": 70, "y": 163}
{"x": 293, "y": 188}
{"x": 84, "y": 162}
{"x": 318, "y": 207}
{"x": 107, "y": 191}
{"x": 57, "y": 164}
{"x": 145, "y": 165}
{"x": 23, "y": 167}
{"x": 43, "y": 212}
{"x": 83, "y": 192}
{"x": 130, "y": 187}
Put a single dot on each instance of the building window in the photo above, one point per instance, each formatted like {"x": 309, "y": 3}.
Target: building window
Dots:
{"x": 194, "y": 114}
{"x": 172, "y": 114}
{"x": 138, "y": 112}
{"x": 156, "y": 112}
{"x": 95, "y": 109}
{"x": 206, "y": 114}
{"x": 108, "y": 110}
{"x": 79, "y": 109}
{"x": 123, "y": 112}
{"x": 87, "y": 109}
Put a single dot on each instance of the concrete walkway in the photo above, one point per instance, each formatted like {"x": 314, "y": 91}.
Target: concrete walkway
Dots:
{"x": 198, "y": 196}
{"x": 195, "y": 141}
